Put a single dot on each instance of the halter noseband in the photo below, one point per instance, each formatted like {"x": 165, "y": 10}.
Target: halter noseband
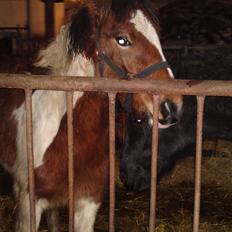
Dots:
{"x": 124, "y": 74}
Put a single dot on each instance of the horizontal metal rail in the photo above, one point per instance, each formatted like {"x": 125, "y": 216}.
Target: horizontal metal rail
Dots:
{"x": 112, "y": 86}
{"x": 177, "y": 87}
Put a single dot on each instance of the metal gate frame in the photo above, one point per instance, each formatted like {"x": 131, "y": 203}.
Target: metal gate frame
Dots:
{"x": 197, "y": 88}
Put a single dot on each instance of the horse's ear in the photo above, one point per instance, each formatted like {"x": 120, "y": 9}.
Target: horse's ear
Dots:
{"x": 84, "y": 20}
{"x": 81, "y": 31}
{"x": 103, "y": 8}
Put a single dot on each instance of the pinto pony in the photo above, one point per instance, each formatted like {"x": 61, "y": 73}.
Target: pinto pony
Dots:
{"x": 110, "y": 38}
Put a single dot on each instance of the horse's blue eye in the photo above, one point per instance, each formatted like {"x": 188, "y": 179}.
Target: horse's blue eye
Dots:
{"x": 123, "y": 41}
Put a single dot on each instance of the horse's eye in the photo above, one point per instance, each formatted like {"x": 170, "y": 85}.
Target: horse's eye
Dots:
{"x": 139, "y": 120}
{"x": 123, "y": 41}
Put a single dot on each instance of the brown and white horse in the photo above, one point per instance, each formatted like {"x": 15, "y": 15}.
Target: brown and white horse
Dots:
{"x": 121, "y": 32}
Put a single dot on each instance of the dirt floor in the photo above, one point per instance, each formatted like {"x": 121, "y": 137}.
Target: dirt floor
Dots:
{"x": 175, "y": 196}
{"x": 175, "y": 192}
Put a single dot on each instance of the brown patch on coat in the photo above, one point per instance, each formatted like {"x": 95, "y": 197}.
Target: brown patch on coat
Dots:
{"x": 90, "y": 153}
{"x": 10, "y": 99}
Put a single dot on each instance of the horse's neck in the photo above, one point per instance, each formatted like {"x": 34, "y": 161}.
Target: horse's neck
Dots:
{"x": 80, "y": 66}
{"x": 49, "y": 107}
{"x": 56, "y": 57}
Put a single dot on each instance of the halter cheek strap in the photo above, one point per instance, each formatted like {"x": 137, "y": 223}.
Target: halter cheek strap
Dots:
{"x": 120, "y": 72}
{"x": 152, "y": 68}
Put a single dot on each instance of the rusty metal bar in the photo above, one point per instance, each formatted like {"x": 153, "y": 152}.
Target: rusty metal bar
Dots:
{"x": 30, "y": 158}
{"x": 154, "y": 163}
{"x": 197, "y": 196}
{"x": 180, "y": 87}
{"x": 112, "y": 160}
{"x": 176, "y": 87}
{"x": 71, "y": 203}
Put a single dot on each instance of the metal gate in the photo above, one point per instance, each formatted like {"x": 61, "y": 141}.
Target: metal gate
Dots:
{"x": 197, "y": 88}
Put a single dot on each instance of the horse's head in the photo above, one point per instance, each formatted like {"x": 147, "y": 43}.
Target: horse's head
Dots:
{"x": 117, "y": 38}
{"x": 121, "y": 37}
{"x": 136, "y": 152}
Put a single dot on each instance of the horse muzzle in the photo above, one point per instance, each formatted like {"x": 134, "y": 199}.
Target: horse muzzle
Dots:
{"x": 137, "y": 180}
{"x": 169, "y": 114}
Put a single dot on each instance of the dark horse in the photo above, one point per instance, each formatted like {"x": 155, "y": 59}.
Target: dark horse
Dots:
{"x": 175, "y": 142}
{"x": 110, "y": 38}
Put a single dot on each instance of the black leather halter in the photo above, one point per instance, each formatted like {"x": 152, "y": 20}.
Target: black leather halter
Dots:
{"x": 127, "y": 104}
{"x": 126, "y": 75}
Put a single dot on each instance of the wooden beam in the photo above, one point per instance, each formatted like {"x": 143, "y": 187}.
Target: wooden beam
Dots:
{"x": 49, "y": 18}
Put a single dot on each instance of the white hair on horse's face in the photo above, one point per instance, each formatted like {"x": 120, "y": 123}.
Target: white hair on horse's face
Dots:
{"x": 143, "y": 25}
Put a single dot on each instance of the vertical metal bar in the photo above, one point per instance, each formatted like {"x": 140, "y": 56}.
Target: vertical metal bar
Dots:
{"x": 200, "y": 112}
{"x": 154, "y": 163}
{"x": 30, "y": 158}
{"x": 112, "y": 160}
{"x": 71, "y": 203}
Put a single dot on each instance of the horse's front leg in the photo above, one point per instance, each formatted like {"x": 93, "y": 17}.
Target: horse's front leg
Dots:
{"x": 85, "y": 214}
{"x": 23, "y": 213}
{"x": 53, "y": 219}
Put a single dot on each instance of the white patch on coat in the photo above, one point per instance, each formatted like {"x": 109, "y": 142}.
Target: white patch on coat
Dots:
{"x": 85, "y": 214}
{"x": 48, "y": 107}
{"x": 23, "y": 220}
{"x": 143, "y": 25}
{"x": 55, "y": 56}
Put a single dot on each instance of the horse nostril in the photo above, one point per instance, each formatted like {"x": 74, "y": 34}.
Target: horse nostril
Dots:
{"x": 169, "y": 113}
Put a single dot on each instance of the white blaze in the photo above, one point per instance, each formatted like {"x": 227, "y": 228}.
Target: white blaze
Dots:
{"x": 143, "y": 25}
